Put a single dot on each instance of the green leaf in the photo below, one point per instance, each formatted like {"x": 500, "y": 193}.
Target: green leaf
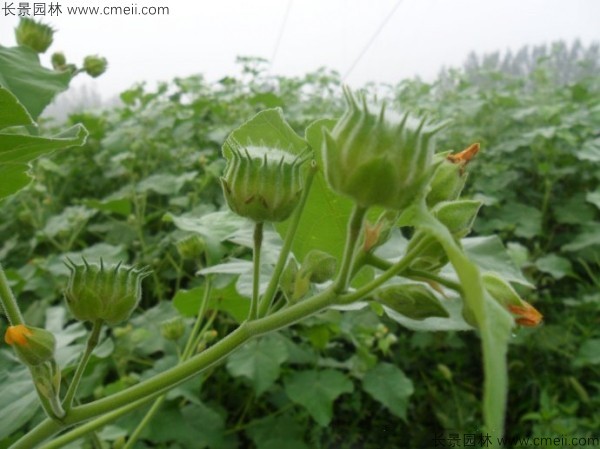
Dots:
{"x": 414, "y": 301}
{"x": 34, "y": 85}
{"x": 119, "y": 206}
{"x": 12, "y": 113}
{"x": 313, "y": 231}
{"x": 14, "y": 178}
{"x": 206, "y": 428}
{"x": 574, "y": 210}
{"x": 267, "y": 128}
{"x": 594, "y": 197}
{"x": 316, "y": 391}
{"x": 589, "y": 353}
{"x": 278, "y": 432}
{"x": 164, "y": 183}
{"x": 590, "y": 151}
{"x": 68, "y": 220}
{"x": 490, "y": 255}
{"x": 17, "y": 150}
{"x": 453, "y": 321}
{"x": 259, "y": 361}
{"x": 584, "y": 240}
{"x": 387, "y": 384}
{"x": 187, "y": 302}
{"x": 18, "y": 399}
{"x": 556, "y": 266}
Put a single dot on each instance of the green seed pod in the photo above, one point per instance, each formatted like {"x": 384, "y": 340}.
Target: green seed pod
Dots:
{"x": 450, "y": 177}
{"x": 59, "y": 62}
{"x": 191, "y": 247}
{"x": 32, "y": 345}
{"x": 376, "y": 160}
{"x": 95, "y": 65}
{"x": 260, "y": 183}
{"x": 35, "y": 35}
{"x": 318, "y": 266}
{"x": 96, "y": 292}
{"x": 173, "y": 329}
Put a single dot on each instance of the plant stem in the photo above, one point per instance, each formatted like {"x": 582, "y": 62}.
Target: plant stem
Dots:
{"x": 258, "y": 238}
{"x": 201, "y": 311}
{"x": 195, "y": 334}
{"x": 167, "y": 380}
{"x": 383, "y": 264}
{"x": 267, "y": 298}
{"x": 392, "y": 271}
{"x": 144, "y": 422}
{"x": 354, "y": 228}
{"x": 9, "y": 302}
{"x": 91, "y": 344}
{"x": 91, "y": 426}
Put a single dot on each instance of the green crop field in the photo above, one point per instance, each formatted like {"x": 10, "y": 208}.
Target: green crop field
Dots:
{"x": 303, "y": 266}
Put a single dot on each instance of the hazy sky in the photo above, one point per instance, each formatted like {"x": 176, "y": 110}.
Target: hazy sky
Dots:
{"x": 206, "y": 36}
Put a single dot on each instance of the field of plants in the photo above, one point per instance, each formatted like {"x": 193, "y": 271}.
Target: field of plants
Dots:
{"x": 385, "y": 363}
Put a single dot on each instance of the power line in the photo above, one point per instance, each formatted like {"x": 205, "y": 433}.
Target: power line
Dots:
{"x": 281, "y": 30}
{"x": 370, "y": 42}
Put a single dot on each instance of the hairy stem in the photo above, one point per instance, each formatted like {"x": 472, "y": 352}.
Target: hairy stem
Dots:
{"x": 258, "y": 238}
{"x": 9, "y": 302}
{"x": 355, "y": 225}
{"x": 144, "y": 422}
{"x": 92, "y": 426}
{"x": 267, "y": 298}
{"x": 167, "y": 380}
{"x": 91, "y": 344}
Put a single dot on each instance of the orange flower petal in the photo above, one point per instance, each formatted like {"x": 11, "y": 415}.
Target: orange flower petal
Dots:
{"x": 527, "y": 315}
{"x": 17, "y": 334}
{"x": 465, "y": 155}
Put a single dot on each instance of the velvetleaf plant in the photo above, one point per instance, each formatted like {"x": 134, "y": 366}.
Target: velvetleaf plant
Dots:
{"x": 380, "y": 173}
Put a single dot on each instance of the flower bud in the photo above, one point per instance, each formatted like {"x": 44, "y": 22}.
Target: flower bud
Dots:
{"x": 505, "y": 294}
{"x": 59, "y": 61}
{"x": 95, "y": 65}
{"x": 96, "y": 292}
{"x": 35, "y": 35}
{"x": 173, "y": 329}
{"x": 260, "y": 183}
{"x": 377, "y": 234}
{"x": 191, "y": 247}
{"x": 33, "y": 345}
{"x": 450, "y": 177}
{"x": 318, "y": 266}
{"x": 376, "y": 160}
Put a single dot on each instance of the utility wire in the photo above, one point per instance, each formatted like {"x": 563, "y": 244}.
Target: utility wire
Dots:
{"x": 373, "y": 38}
{"x": 281, "y": 30}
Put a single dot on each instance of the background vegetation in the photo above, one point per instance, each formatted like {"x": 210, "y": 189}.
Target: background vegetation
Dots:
{"x": 154, "y": 161}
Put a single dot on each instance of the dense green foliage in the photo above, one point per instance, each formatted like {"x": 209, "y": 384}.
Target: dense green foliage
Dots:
{"x": 149, "y": 173}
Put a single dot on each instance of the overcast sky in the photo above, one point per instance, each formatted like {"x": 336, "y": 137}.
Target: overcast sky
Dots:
{"x": 206, "y": 36}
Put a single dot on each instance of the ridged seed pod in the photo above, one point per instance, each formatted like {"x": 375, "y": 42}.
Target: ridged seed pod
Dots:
{"x": 99, "y": 292}
{"x": 262, "y": 184}
{"x": 35, "y": 35}
{"x": 377, "y": 160}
